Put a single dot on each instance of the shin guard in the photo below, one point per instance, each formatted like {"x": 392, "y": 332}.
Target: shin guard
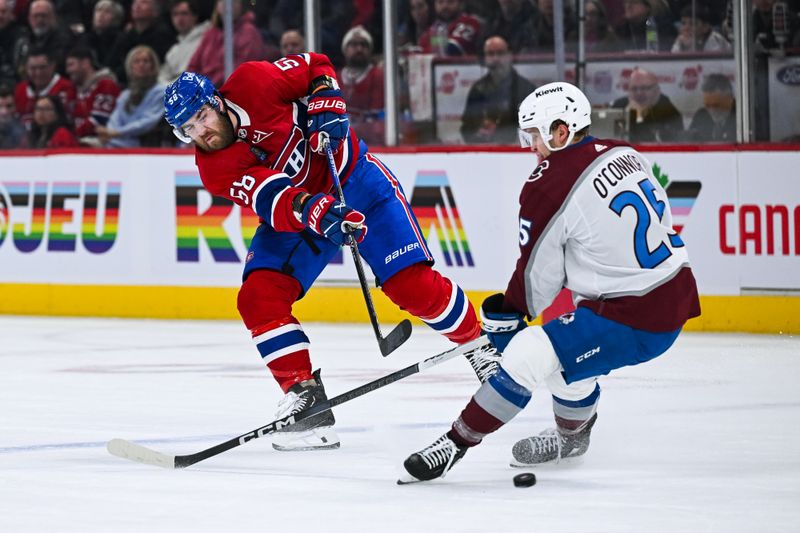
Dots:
{"x": 440, "y": 303}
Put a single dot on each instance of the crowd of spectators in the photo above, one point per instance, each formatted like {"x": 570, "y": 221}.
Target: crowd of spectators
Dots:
{"x": 105, "y": 62}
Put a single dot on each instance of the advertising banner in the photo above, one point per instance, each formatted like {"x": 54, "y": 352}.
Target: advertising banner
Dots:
{"x": 134, "y": 220}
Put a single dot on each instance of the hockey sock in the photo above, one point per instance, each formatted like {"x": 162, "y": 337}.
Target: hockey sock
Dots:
{"x": 495, "y": 404}
{"x": 265, "y": 304}
{"x": 283, "y": 346}
{"x": 572, "y": 415}
{"x": 440, "y": 303}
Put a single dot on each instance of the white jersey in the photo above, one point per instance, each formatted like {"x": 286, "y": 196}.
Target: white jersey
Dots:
{"x": 594, "y": 219}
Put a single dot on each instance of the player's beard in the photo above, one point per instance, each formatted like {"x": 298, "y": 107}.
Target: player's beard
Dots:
{"x": 219, "y": 137}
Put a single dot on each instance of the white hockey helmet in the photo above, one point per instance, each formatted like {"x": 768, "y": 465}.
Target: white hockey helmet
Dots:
{"x": 551, "y": 102}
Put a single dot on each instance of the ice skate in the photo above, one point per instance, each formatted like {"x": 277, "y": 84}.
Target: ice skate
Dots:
{"x": 432, "y": 462}
{"x": 315, "y": 433}
{"x": 484, "y": 362}
{"x": 552, "y": 446}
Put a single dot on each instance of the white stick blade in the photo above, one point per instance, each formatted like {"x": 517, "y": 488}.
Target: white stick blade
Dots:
{"x": 136, "y": 452}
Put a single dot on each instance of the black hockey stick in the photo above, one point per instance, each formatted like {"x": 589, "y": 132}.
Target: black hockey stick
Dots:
{"x": 402, "y": 331}
{"x": 137, "y": 452}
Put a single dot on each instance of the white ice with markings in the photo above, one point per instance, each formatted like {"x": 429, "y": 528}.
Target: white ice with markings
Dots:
{"x": 705, "y": 438}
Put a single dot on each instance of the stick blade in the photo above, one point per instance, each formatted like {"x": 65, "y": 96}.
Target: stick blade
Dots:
{"x": 395, "y": 338}
{"x": 136, "y": 452}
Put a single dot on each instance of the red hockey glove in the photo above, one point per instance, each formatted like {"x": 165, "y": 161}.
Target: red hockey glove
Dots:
{"x": 330, "y": 218}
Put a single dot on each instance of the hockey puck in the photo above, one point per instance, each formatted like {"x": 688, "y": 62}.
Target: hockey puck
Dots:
{"x": 525, "y": 480}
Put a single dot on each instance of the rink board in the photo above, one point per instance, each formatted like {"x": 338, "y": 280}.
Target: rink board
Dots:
{"x": 134, "y": 234}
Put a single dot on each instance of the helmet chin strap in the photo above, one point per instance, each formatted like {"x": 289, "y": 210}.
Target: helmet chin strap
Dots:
{"x": 546, "y": 141}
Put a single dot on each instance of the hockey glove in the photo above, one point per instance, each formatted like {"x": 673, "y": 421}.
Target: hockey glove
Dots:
{"x": 500, "y": 325}
{"x": 327, "y": 118}
{"x": 330, "y": 218}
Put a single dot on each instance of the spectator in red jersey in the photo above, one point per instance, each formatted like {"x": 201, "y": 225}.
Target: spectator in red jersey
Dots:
{"x": 361, "y": 82}
{"x": 46, "y": 31}
{"x": 247, "y": 44}
{"x": 42, "y": 80}
{"x": 185, "y": 16}
{"x": 419, "y": 18}
{"x": 454, "y": 32}
{"x": 12, "y": 132}
{"x": 97, "y": 92}
{"x": 50, "y": 126}
{"x": 146, "y": 28}
{"x": 292, "y": 42}
{"x": 136, "y": 118}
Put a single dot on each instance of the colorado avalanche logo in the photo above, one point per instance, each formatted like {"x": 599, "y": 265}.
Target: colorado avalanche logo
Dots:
{"x": 538, "y": 171}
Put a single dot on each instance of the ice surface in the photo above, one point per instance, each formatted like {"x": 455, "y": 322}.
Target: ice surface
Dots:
{"x": 705, "y": 438}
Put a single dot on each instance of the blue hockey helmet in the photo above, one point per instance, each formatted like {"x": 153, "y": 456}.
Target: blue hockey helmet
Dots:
{"x": 184, "y": 97}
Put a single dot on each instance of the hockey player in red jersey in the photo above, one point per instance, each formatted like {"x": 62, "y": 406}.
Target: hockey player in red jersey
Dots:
{"x": 260, "y": 142}
{"x": 592, "y": 219}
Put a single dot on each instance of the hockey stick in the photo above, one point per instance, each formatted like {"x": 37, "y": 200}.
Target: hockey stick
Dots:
{"x": 137, "y": 452}
{"x": 402, "y": 331}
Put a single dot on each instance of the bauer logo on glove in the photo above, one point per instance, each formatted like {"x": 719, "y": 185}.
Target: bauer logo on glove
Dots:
{"x": 336, "y": 105}
{"x": 327, "y": 118}
{"x": 330, "y": 218}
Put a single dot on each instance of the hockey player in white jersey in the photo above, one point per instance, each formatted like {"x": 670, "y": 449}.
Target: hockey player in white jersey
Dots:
{"x": 592, "y": 219}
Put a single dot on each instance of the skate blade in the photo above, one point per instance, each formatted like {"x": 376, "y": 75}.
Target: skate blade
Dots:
{"x": 409, "y": 480}
{"x": 565, "y": 462}
{"x": 321, "y": 438}
{"x": 309, "y": 448}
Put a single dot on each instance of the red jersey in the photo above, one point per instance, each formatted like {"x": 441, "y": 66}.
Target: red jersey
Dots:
{"x": 271, "y": 161}
{"x": 94, "y": 103}
{"x": 460, "y": 35}
{"x": 63, "y": 138}
{"x": 25, "y": 97}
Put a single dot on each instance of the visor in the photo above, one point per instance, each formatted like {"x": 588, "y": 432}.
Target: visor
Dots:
{"x": 525, "y": 138}
{"x": 181, "y": 135}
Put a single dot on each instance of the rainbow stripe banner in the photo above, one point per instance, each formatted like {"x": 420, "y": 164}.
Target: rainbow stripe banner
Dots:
{"x": 435, "y": 208}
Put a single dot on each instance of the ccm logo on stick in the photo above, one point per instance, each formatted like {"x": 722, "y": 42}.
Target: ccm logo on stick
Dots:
{"x": 266, "y": 430}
